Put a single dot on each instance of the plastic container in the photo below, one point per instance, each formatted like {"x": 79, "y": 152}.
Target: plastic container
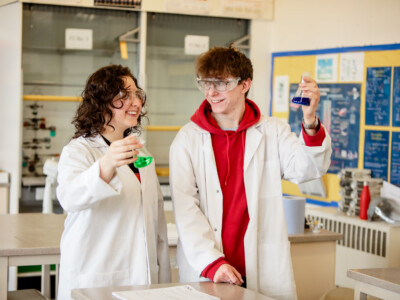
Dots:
{"x": 365, "y": 199}
{"x": 295, "y": 208}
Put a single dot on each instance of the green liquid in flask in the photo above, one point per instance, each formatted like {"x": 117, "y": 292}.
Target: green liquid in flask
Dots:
{"x": 143, "y": 161}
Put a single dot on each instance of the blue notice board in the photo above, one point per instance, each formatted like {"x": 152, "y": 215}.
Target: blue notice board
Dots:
{"x": 376, "y": 153}
{"x": 395, "y": 159}
{"x": 377, "y": 99}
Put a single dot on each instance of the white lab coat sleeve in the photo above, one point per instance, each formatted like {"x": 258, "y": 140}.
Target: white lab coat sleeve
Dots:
{"x": 164, "y": 274}
{"x": 79, "y": 182}
{"x": 300, "y": 163}
{"x": 194, "y": 230}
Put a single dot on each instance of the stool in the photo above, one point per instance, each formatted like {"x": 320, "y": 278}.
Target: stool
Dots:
{"x": 30, "y": 294}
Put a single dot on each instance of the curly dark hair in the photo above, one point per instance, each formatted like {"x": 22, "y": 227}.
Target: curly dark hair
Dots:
{"x": 221, "y": 62}
{"x": 97, "y": 98}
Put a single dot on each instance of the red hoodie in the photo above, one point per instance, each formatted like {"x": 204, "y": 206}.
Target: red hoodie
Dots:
{"x": 229, "y": 149}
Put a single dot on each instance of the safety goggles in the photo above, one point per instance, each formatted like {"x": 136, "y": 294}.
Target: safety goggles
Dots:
{"x": 125, "y": 96}
{"x": 139, "y": 93}
{"x": 219, "y": 85}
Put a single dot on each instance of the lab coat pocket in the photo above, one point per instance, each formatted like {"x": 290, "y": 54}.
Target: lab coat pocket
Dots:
{"x": 275, "y": 273}
{"x": 271, "y": 179}
{"x": 103, "y": 279}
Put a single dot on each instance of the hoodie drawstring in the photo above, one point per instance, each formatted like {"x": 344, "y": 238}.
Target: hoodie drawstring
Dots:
{"x": 243, "y": 140}
{"x": 227, "y": 156}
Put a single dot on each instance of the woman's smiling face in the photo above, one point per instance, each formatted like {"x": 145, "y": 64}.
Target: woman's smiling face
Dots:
{"x": 127, "y": 107}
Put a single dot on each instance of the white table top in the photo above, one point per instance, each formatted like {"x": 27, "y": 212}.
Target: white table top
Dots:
{"x": 220, "y": 290}
{"x": 385, "y": 278}
{"x": 30, "y": 234}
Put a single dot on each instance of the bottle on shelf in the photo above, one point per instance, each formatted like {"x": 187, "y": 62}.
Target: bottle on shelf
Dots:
{"x": 365, "y": 199}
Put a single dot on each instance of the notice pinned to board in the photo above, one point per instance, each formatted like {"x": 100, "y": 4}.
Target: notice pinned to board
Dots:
{"x": 395, "y": 160}
{"x": 396, "y": 97}
{"x": 252, "y": 9}
{"x": 196, "y": 44}
{"x": 352, "y": 67}
{"x": 377, "y": 96}
{"x": 376, "y": 153}
{"x": 326, "y": 68}
{"x": 78, "y": 38}
{"x": 281, "y": 93}
{"x": 188, "y": 6}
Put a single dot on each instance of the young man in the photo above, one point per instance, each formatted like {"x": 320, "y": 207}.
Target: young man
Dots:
{"x": 226, "y": 168}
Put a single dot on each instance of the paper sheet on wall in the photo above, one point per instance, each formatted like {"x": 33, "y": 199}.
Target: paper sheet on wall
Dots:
{"x": 326, "y": 68}
{"x": 182, "y": 292}
{"x": 281, "y": 94}
{"x": 188, "y": 6}
{"x": 352, "y": 66}
{"x": 252, "y": 9}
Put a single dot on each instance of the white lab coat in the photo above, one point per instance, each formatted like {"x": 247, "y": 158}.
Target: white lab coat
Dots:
{"x": 272, "y": 152}
{"x": 115, "y": 234}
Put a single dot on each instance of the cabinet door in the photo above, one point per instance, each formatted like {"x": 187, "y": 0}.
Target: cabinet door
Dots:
{"x": 172, "y": 92}
{"x": 51, "y": 67}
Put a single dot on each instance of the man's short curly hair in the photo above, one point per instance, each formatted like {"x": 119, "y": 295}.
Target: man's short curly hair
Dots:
{"x": 101, "y": 87}
{"x": 221, "y": 62}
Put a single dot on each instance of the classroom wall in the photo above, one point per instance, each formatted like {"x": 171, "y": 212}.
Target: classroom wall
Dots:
{"x": 315, "y": 24}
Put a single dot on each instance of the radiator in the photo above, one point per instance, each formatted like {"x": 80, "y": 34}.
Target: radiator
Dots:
{"x": 364, "y": 244}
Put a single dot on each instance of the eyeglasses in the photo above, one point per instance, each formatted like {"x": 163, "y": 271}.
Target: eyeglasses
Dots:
{"x": 219, "y": 85}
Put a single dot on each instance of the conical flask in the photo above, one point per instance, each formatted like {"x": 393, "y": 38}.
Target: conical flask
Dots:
{"x": 298, "y": 96}
{"x": 144, "y": 158}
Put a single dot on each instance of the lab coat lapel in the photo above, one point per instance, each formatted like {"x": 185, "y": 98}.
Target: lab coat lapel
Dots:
{"x": 253, "y": 140}
{"x": 213, "y": 189}
{"x": 148, "y": 201}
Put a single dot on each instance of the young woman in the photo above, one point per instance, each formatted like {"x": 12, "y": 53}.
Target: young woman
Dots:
{"x": 115, "y": 232}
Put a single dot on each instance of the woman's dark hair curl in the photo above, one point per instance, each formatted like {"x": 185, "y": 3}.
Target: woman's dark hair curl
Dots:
{"x": 94, "y": 112}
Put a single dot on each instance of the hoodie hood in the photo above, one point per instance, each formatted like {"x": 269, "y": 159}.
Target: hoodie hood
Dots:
{"x": 203, "y": 118}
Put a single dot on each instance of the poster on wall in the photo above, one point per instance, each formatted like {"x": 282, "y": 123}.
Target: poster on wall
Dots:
{"x": 396, "y": 98}
{"x": 352, "y": 66}
{"x": 377, "y": 98}
{"x": 188, "y": 6}
{"x": 326, "y": 68}
{"x": 253, "y": 9}
{"x": 395, "y": 159}
{"x": 376, "y": 153}
{"x": 280, "y": 96}
{"x": 339, "y": 111}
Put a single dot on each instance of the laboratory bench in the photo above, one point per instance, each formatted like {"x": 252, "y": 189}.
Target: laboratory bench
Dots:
{"x": 28, "y": 240}
{"x": 23, "y": 242}
{"x": 221, "y": 290}
{"x": 383, "y": 283}
{"x": 313, "y": 258}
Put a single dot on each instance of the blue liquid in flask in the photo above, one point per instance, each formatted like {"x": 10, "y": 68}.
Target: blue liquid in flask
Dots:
{"x": 298, "y": 96}
{"x": 301, "y": 100}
